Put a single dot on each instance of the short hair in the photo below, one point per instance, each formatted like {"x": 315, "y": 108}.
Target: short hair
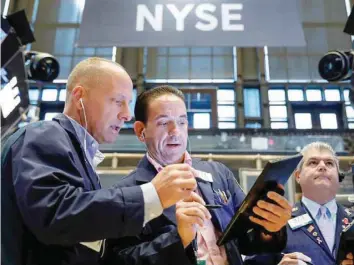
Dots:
{"x": 144, "y": 99}
{"x": 320, "y": 146}
{"x": 88, "y": 71}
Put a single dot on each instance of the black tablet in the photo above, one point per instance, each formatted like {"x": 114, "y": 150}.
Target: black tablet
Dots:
{"x": 274, "y": 173}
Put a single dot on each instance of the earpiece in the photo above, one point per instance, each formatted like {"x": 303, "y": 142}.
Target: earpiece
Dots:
{"x": 341, "y": 176}
{"x": 83, "y": 108}
{"x": 142, "y": 136}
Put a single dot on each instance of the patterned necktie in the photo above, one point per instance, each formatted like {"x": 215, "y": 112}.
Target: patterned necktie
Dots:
{"x": 326, "y": 226}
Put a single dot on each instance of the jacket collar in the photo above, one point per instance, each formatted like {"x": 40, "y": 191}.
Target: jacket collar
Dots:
{"x": 147, "y": 171}
{"x": 66, "y": 124}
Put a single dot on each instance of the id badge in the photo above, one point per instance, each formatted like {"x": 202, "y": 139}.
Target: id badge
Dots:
{"x": 299, "y": 221}
{"x": 201, "y": 262}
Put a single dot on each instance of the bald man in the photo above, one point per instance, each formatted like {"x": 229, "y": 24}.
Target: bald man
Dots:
{"x": 53, "y": 210}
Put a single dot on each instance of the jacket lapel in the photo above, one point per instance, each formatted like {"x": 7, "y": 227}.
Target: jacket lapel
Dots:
{"x": 144, "y": 174}
{"x": 343, "y": 219}
{"x": 312, "y": 230}
{"x": 92, "y": 175}
{"x": 205, "y": 187}
{"x": 207, "y": 191}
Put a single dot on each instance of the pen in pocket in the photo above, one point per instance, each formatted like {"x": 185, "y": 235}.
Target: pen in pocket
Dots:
{"x": 222, "y": 196}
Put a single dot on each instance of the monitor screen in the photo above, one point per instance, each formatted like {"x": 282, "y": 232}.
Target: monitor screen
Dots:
{"x": 14, "y": 93}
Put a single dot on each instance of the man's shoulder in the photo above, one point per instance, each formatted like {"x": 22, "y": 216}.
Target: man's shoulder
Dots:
{"x": 42, "y": 127}
{"x": 132, "y": 178}
{"x": 41, "y": 134}
{"x": 217, "y": 169}
{"x": 220, "y": 173}
{"x": 349, "y": 212}
{"x": 297, "y": 209}
{"x": 211, "y": 165}
{"x": 44, "y": 131}
{"x": 36, "y": 129}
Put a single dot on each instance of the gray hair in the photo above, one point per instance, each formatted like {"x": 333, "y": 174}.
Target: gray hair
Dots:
{"x": 320, "y": 146}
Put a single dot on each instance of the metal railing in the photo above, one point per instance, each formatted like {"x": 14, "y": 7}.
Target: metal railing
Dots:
{"x": 257, "y": 158}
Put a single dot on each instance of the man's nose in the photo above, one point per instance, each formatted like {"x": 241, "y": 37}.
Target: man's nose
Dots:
{"x": 173, "y": 128}
{"x": 124, "y": 114}
{"x": 321, "y": 165}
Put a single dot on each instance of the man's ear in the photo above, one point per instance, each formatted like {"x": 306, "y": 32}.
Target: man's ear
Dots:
{"x": 139, "y": 128}
{"x": 297, "y": 176}
{"x": 77, "y": 94}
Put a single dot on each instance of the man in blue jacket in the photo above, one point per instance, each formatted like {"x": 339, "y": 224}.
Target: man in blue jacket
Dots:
{"x": 53, "y": 210}
{"x": 161, "y": 123}
{"x": 317, "y": 220}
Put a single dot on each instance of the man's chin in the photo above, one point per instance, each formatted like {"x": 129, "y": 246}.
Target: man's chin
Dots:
{"x": 323, "y": 183}
{"x": 110, "y": 140}
{"x": 173, "y": 159}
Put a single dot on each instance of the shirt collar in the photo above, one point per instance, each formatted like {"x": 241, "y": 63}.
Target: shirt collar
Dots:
{"x": 313, "y": 207}
{"x": 187, "y": 160}
{"x": 157, "y": 165}
{"x": 91, "y": 144}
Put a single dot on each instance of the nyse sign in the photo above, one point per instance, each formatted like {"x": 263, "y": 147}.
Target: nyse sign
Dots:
{"x": 230, "y": 13}
{"x": 156, "y": 23}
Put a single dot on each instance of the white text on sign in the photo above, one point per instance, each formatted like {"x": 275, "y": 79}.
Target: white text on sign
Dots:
{"x": 230, "y": 16}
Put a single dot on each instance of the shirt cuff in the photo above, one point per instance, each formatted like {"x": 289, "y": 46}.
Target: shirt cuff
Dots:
{"x": 152, "y": 204}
